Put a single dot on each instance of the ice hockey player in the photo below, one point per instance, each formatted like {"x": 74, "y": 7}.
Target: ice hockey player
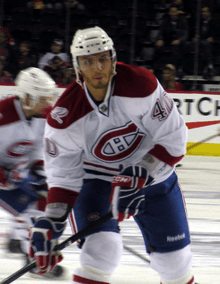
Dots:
{"x": 23, "y": 187}
{"x": 114, "y": 134}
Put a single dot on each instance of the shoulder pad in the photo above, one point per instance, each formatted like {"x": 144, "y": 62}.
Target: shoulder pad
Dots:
{"x": 134, "y": 81}
{"x": 70, "y": 107}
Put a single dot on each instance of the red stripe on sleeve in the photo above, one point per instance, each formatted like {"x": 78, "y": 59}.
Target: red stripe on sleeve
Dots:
{"x": 161, "y": 153}
{"x": 61, "y": 195}
{"x": 38, "y": 163}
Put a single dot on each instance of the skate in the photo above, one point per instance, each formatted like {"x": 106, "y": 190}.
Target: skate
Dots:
{"x": 57, "y": 273}
{"x": 14, "y": 246}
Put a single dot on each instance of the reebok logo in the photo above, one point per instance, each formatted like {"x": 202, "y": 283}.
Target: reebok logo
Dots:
{"x": 176, "y": 238}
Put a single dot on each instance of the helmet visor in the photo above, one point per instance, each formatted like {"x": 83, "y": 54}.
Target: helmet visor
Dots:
{"x": 95, "y": 61}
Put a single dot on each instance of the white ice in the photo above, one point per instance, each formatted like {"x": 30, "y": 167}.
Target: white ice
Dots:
{"x": 199, "y": 178}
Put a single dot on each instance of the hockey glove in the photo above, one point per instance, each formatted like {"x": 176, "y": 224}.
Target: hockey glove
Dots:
{"x": 43, "y": 239}
{"x": 28, "y": 180}
{"x": 32, "y": 183}
{"x": 127, "y": 191}
{"x": 4, "y": 182}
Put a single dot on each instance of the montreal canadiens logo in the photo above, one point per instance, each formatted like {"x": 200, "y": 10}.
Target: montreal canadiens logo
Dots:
{"x": 118, "y": 144}
{"x": 20, "y": 149}
{"x": 93, "y": 216}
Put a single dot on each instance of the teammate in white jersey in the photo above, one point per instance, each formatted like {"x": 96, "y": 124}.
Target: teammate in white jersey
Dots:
{"x": 114, "y": 136}
{"x": 23, "y": 188}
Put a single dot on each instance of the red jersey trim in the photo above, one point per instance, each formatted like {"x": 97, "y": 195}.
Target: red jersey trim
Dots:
{"x": 46, "y": 112}
{"x": 38, "y": 163}
{"x": 73, "y": 104}
{"x": 8, "y": 112}
{"x": 76, "y": 104}
{"x": 61, "y": 195}
{"x": 161, "y": 153}
{"x": 130, "y": 77}
{"x": 100, "y": 166}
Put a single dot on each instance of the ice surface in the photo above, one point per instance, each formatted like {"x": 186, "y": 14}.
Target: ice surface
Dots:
{"x": 200, "y": 181}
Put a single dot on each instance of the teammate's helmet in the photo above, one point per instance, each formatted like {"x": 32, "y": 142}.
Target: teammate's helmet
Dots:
{"x": 36, "y": 83}
{"x": 91, "y": 41}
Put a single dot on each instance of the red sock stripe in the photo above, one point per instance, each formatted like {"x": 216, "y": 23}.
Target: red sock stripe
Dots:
{"x": 83, "y": 280}
{"x": 190, "y": 282}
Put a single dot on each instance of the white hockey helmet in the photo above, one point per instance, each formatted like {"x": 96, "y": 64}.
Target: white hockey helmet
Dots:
{"x": 91, "y": 41}
{"x": 36, "y": 83}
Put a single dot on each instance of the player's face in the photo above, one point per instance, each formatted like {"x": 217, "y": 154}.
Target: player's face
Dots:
{"x": 173, "y": 12}
{"x": 167, "y": 74}
{"x": 56, "y": 48}
{"x": 96, "y": 69}
{"x": 42, "y": 104}
{"x": 205, "y": 12}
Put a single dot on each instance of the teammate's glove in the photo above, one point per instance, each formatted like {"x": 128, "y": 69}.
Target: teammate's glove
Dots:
{"x": 33, "y": 184}
{"x": 43, "y": 239}
{"x": 37, "y": 176}
{"x": 127, "y": 191}
{"x": 30, "y": 180}
{"x": 5, "y": 184}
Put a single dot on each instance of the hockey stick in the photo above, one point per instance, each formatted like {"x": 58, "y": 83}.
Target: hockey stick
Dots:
{"x": 61, "y": 246}
{"x": 146, "y": 259}
{"x": 203, "y": 141}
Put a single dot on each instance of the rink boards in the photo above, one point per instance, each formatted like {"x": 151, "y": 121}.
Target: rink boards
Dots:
{"x": 200, "y": 110}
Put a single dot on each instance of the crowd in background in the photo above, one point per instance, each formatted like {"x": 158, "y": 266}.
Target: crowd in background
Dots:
{"x": 39, "y": 33}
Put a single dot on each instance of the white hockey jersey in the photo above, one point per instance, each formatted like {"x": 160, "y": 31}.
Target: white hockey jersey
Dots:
{"x": 21, "y": 142}
{"x": 84, "y": 140}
